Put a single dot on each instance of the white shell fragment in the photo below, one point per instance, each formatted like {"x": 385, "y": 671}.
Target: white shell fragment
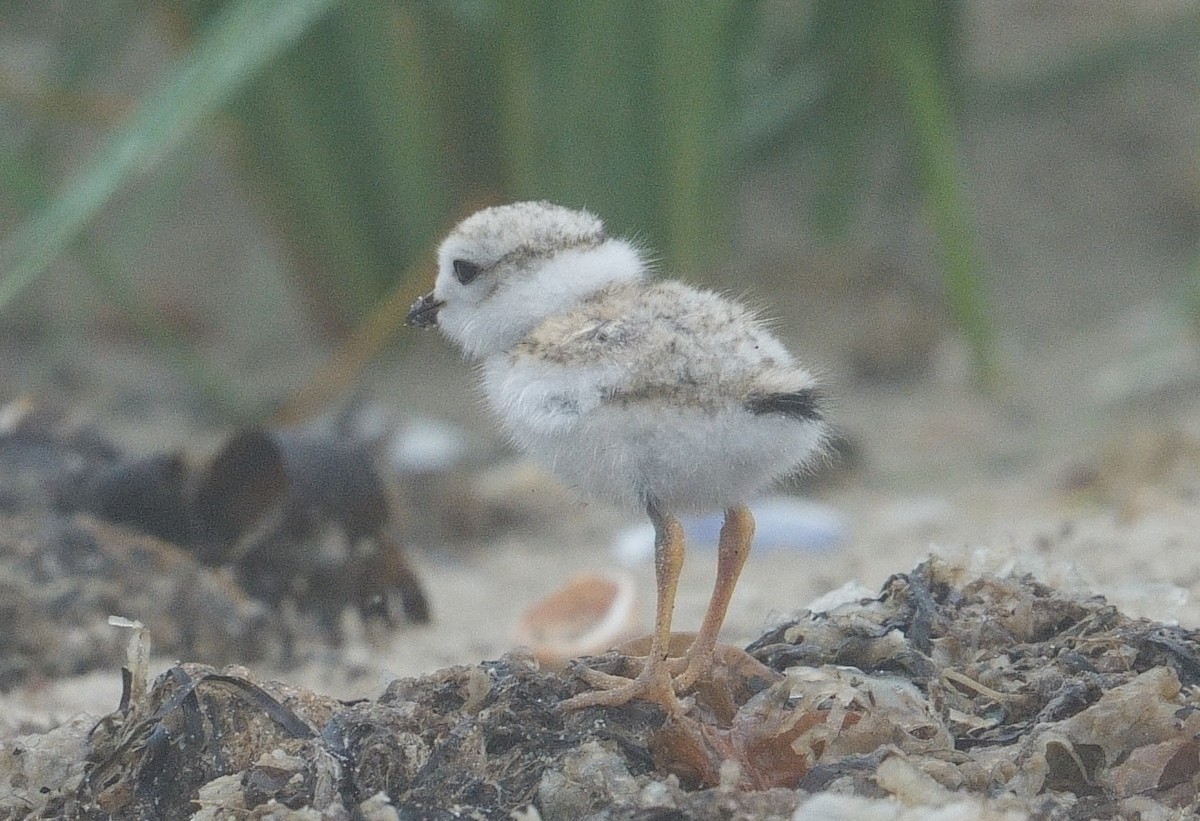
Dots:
{"x": 781, "y": 523}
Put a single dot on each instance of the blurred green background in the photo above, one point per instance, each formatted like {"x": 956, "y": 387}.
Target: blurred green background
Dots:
{"x": 363, "y": 129}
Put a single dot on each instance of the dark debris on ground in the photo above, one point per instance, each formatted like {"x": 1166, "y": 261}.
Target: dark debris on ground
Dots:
{"x": 984, "y": 697}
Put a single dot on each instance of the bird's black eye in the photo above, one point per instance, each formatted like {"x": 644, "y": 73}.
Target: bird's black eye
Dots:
{"x": 465, "y": 271}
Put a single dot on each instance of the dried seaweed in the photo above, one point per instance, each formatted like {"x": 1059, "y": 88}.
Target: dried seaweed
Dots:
{"x": 1012, "y": 701}
{"x": 218, "y": 560}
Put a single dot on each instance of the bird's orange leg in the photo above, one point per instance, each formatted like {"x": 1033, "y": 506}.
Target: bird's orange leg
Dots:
{"x": 653, "y": 683}
{"x": 732, "y": 550}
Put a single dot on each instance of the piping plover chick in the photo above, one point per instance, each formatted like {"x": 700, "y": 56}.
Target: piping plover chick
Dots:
{"x": 648, "y": 393}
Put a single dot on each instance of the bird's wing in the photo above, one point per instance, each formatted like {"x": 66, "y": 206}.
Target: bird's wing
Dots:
{"x": 665, "y": 342}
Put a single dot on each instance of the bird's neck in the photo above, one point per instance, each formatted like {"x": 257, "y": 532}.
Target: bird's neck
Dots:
{"x": 558, "y": 284}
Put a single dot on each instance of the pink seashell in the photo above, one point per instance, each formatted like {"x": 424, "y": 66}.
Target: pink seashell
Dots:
{"x": 589, "y": 614}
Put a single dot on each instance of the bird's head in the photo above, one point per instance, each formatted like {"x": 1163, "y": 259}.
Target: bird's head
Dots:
{"x": 503, "y": 270}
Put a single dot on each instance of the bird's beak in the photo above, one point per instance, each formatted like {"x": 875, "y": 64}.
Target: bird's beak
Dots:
{"x": 423, "y": 313}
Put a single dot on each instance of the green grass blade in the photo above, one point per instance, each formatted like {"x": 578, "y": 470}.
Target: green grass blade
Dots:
{"x": 521, "y": 144}
{"x": 399, "y": 150}
{"x": 932, "y": 132}
{"x": 286, "y": 140}
{"x": 27, "y": 185}
{"x": 245, "y": 36}
{"x": 696, "y": 88}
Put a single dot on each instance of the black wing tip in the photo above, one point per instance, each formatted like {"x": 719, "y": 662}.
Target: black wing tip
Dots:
{"x": 804, "y": 404}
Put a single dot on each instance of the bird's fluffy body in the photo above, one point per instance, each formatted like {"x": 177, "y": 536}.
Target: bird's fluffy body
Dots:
{"x": 641, "y": 392}
{"x": 626, "y": 388}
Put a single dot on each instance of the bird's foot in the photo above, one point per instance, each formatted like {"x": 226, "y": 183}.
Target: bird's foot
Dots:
{"x": 654, "y": 684}
{"x": 691, "y": 670}
{"x": 685, "y": 667}
{"x": 718, "y": 682}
